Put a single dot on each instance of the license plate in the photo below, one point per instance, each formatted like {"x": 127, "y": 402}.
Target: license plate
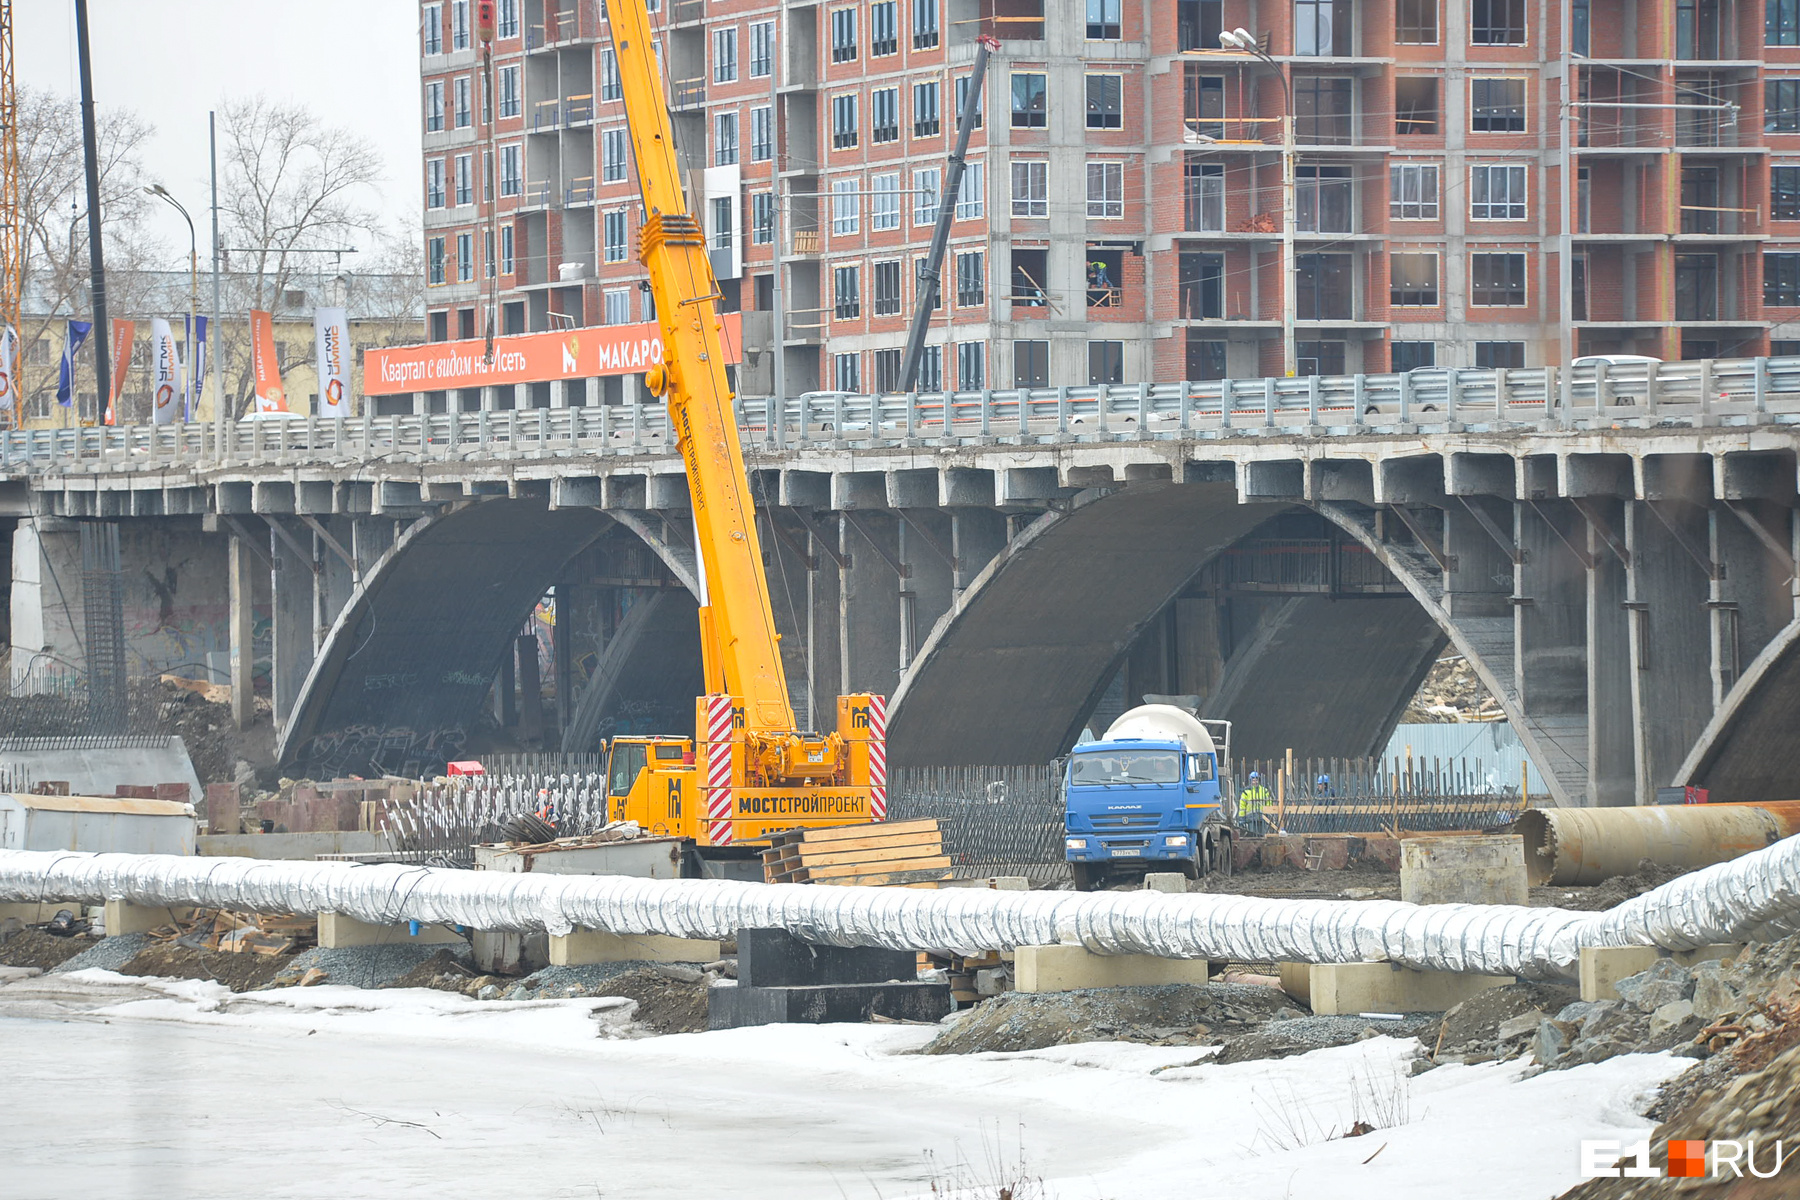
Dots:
{"x": 1132, "y": 853}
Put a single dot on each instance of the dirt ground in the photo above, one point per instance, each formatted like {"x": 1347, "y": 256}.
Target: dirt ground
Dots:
{"x": 239, "y": 972}
{"x": 443, "y": 972}
{"x": 1370, "y": 881}
{"x": 35, "y": 948}
{"x": 663, "y": 1004}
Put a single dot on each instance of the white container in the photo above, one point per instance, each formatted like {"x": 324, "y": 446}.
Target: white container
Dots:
{"x": 570, "y": 272}
{"x": 98, "y": 824}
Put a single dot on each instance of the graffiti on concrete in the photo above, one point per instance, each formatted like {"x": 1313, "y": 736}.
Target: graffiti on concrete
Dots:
{"x": 381, "y": 750}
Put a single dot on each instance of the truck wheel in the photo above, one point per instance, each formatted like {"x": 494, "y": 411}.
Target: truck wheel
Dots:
{"x": 1085, "y": 876}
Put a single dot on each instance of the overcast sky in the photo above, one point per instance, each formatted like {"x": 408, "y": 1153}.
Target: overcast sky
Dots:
{"x": 354, "y": 62}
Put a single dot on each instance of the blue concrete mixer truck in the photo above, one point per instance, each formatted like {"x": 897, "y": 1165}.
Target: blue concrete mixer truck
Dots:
{"x": 1145, "y": 797}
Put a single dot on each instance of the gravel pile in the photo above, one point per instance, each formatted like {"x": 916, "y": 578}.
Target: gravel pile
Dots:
{"x": 364, "y": 966}
{"x": 107, "y": 954}
{"x": 1498, "y": 1023}
{"x": 1300, "y": 1035}
{"x": 1167, "y": 1015}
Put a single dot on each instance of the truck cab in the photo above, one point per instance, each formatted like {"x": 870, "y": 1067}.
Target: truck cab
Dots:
{"x": 1145, "y": 797}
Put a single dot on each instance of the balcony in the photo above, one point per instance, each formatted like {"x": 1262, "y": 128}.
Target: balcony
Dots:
{"x": 579, "y": 192}
{"x": 687, "y": 94}
{"x": 536, "y": 195}
{"x": 566, "y": 23}
{"x": 546, "y": 116}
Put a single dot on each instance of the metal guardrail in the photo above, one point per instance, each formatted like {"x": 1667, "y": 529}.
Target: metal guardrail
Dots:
{"x": 1730, "y": 392}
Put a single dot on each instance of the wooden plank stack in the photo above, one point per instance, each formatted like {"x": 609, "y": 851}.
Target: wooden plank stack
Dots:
{"x": 889, "y": 854}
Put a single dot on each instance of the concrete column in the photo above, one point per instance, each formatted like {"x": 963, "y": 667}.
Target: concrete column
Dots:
{"x": 824, "y": 643}
{"x": 788, "y": 593}
{"x": 242, "y": 623}
{"x": 1476, "y": 587}
{"x": 869, "y": 604}
{"x": 531, "y": 695}
{"x": 1550, "y": 645}
{"x": 46, "y": 606}
{"x": 291, "y": 583}
{"x": 590, "y": 390}
{"x": 977, "y": 535}
{"x": 1611, "y": 775}
{"x": 1670, "y": 643}
{"x": 562, "y": 642}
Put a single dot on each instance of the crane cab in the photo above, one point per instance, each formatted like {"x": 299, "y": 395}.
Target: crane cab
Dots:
{"x": 650, "y": 780}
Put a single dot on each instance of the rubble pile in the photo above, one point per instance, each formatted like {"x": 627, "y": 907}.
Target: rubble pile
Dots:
{"x": 1166, "y": 1015}
{"x": 1452, "y": 692}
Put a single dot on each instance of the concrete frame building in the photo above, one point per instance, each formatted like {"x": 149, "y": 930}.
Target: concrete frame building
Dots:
{"x": 1122, "y": 215}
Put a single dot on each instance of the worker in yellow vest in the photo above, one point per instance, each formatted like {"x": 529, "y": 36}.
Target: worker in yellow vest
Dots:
{"x": 1251, "y": 802}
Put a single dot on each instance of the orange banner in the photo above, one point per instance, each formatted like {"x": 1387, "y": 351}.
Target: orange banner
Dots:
{"x": 528, "y": 358}
{"x": 123, "y": 333}
{"x": 269, "y": 396}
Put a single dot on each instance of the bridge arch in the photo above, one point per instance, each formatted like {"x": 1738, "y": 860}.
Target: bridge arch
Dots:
{"x": 1748, "y": 750}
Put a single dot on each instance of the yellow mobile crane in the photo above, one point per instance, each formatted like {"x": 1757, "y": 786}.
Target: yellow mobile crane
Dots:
{"x": 750, "y": 771}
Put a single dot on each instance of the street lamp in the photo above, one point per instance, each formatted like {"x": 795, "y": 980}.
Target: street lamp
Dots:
{"x": 162, "y": 193}
{"x": 1245, "y": 42}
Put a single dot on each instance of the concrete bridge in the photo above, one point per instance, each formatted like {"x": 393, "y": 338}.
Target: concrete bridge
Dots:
{"x": 1615, "y": 555}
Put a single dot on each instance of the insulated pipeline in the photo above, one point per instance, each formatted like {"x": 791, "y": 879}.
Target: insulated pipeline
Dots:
{"x": 1756, "y": 895}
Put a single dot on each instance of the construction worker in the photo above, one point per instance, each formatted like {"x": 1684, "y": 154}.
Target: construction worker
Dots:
{"x": 1322, "y": 787}
{"x": 1251, "y": 802}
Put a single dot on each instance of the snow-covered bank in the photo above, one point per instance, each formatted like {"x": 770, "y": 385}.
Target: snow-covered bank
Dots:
{"x": 180, "y": 1089}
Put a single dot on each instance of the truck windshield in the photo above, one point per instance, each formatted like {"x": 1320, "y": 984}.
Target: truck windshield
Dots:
{"x": 1142, "y": 767}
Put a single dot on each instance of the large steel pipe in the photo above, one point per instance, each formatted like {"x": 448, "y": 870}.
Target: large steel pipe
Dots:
{"x": 1570, "y": 846}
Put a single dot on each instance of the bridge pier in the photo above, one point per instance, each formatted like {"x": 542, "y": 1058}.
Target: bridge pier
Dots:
{"x": 1611, "y": 777}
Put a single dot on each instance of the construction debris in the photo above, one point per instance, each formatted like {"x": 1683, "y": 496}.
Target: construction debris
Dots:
{"x": 1169, "y": 1014}
{"x": 892, "y": 854}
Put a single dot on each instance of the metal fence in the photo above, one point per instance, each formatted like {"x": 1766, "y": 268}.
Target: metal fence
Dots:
{"x": 442, "y": 823}
{"x": 994, "y": 820}
{"x": 1634, "y": 395}
{"x": 1370, "y": 795}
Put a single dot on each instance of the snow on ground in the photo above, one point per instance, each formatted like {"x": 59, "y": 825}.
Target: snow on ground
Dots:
{"x": 121, "y": 1087}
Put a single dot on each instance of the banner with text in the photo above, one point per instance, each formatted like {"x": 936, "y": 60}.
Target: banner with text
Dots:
{"x": 267, "y": 368}
{"x": 527, "y": 358}
{"x": 124, "y": 333}
{"x": 165, "y": 364}
{"x": 9, "y": 371}
{"x": 331, "y": 330}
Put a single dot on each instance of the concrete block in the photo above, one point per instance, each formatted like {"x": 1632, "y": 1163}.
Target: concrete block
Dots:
{"x": 1011, "y": 883}
{"x": 1165, "y": 881}
{"x": 1296, "y": 981}
{"x": 222, "y": 808}
{"x": 1327, "y": 854}
{"x": 1334, "y": 989}
{"x": 1601, "y": 967}
{"x": 37, "y": 914}
{"x": 123, "y": 917}
{"x": 509, "y": 953}
{"x": 776, "y": 958}
{"x": 337, "y": 931}
{"x": 597, "y": 946}
{"x": 1071, "y": 968}
{"x": 736, "y": 1007}
{"x": 1464, "y": 870}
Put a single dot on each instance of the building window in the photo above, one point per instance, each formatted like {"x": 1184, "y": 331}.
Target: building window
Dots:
{"x": 1413, "y": 280}
{"x": 884, "y": 202}
{"x": 1201, "y": 286}
{"x": 1205, "y": 357}
{"x": 434, "y": 106}
{"x": 1322, "y": 199}
{"x": 725, "y": 54}
{"x": 1415, "y": 104}
{"x": 434, "y": 183}
{"x": 1413, "y": 192}
{"x": 1105, "y": 101}
{"x": 1203, "y": 103}
{"x": 925, "y": 24}
{"x": 884, "y": 24}
{"x": 612, "y": 155}
{"x": 465, "y": 257}
{"x": 962, "y": 101}
{"x": 1029, "y": 103}
{"x": 762, "y": 134}
{"x": 465, "y": 179}
{"x": 762, "y": 218}
{"x": 843, "y": 35}
{"x": 459, "y": 24}
{"x": 884, "y": 115}
{"x": 1322, "y": 110}
{"x": 1203, "y": 195}
{"x": 762, "y": 48}
{"x": 887, "y": 288}
{"x": 847, "y": 372}
{"x": 432, "y": 20}
{"x": 1496, "y": 193}
{"x": 1410, "y": 356}
{"x": 1781, "y": 23}
{"x": 1031, "y": 364}
{"x": 887, "y": 371}
{"x": 1781, "y": 280}
{"x": 931, "y": 370}
{"x": 649, "y": 303}
{"x": 925, "y": 110}
{"x": 434, "y": 259}
{"x": 1029, "y": 269}
{"x": 846, "y": 214}
{"x": 460, "y": 91}
{"x": 1322, "y": 287}
{"x": 970, "y": 285}
{"x": 1497, "y": 22}
{"x": 506, "y": 249}
{"x": 1105, "y": 189}
{"x": 971, "y": 366}
{"x": 1106, "y": 362}
{"x": 512, "y": 180}
{"x": 1578, "y": 290}
{"x": 506, "y": 24}
{"x": 1319, "y": 358}
{"x": 1322, "y": 27}
{"x": 1416, "y": 22}
{"x": 1498, "y": 356}
{"x": 615, "y": 306}
{"x": 1781, "y": 106}
{"x": 1103, "y": 20}
{"x": 1030, "y": 187}
{"x": 510, "y": 104}
{"x": 925, "y": 196}
{"x": 843, "y": 121}
{"x": 1497, "y": 280}
{"x": 1198, "y": 23}
{"x": 724, "y": 221}
{"x": 969, "y": 194}
{"x": 1784, "y": 193}
{"x": 613, "y": 236}
{"x": 1497, "y": 105}
{"x": 610, "y": 86}
{"x": 725, "y": 139}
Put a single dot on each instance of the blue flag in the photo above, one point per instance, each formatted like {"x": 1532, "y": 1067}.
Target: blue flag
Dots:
{"x": 73, "y": 341}
{"x": 196, "y": 367}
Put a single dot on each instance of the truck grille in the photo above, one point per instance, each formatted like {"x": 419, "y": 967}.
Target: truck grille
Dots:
{"x": 1104, "y": 821}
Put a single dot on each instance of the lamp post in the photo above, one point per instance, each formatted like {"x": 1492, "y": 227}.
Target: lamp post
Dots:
{"x": 162, "y": 193}
{"x": 1242, "y": 40}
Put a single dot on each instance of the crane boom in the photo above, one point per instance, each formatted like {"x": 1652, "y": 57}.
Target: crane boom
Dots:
{"x": 740, "y": 647}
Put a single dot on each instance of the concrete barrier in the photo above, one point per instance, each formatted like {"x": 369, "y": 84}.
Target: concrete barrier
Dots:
{"x": 290, "y": 847}
{"x": 583, "y": 946}
{"x": 1464, "y": 870}
{"x": 1073, "y": 968}
{"x": 336, "y": 931}
{"x": 1337, "y": 989}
